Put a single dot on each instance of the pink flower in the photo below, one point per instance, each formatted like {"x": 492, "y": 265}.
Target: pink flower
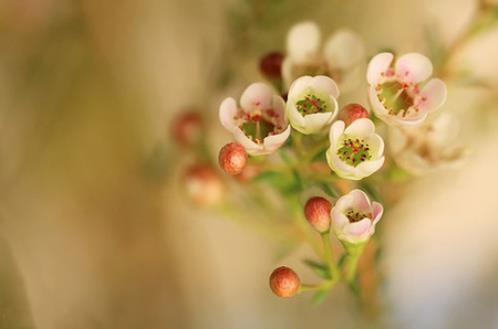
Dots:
{"x": 259, "y": 124}
{"x": 354, "y": 217}
{"x": 399, "y": 95}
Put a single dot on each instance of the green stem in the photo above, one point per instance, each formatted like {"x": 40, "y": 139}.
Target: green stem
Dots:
{"x": 320, "y": 286}
{"x": 354, "y": 254}
{"x": 329, "y": 257}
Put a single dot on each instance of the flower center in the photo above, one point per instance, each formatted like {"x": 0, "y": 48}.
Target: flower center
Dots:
{"x": 356, "y": 215}
{"x": 395, "y": 97}
{"x": 354, "y": 151}
{"x": 311, "y": 104}
{"x": 260, "y": 124}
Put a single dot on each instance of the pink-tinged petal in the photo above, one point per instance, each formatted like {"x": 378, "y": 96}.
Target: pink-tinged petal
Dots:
{"x": 362, "y": 128}
{"x": 413, "y": 68}
{"x": 278, "y": 105}
{"x": 358, "y": 229}
{"x": 316, "y": 122}
{"x": 228, "y": 110}
{"x": 273, "y": 142}
{"x": 303, "y": 42}
{"x": 344, "y": 49}
{"x": 326, "y": 85}
{"x": 376, "y": 144}
{"x": 432, "y": 96}
{"x": 336, "y": 131}
{"x": 378, "y": 108}
{"x": 344, "y": 203}
{"x": 369, "y": 167}
{"x": 360, "y": 200}
{"x": 339, "y": 220}
{"x": 410, "y": 120}
{"x": 378, "y": 65}
{"x": 258, "y": 96}
{"x": 250, "y": 146}
{"x": 378, "y": 210}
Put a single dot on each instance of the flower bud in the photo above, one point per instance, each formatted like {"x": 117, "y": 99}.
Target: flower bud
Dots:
{"x": 317, "y": 212}
{"x": 187, "y": 128}
{"x": 232, "y": 158}
{"x": 284, "y": 282}
{"x": 271, "y": 65}
{"x": 203, "y": 185}
{"x": 352, "y": 112}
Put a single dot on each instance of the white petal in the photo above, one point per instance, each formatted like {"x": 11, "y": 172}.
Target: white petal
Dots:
{"x": 298, "y": 87}
{"x": 360, "y": 200}
{"x": 295, "y": 118}
{"x": 326, "y": 85}
{"x": 378, "y": 108}
{"x": 413, "y": 68}
{"x": 339, "y": 220}
{"x": 357, "y": 232}
{"x": 376, "y": 144}
{"x": 303, "y": 41}
{"x": 273, "y": 142}
{"x": 363, "y": 128}
{"x": 336, "y": 131}
{"x": 378, "y": 65}
{"x": 378, "y": 210}
{"x": 369, "y": 167}
{"x": 227, "y": 112}
{"x": 316, "y": 122}
{"x": 344, "y": 49}
{"x": 432, "y": 96}
{"x": 250, "y": 146}
{"x": 257, "y": 96}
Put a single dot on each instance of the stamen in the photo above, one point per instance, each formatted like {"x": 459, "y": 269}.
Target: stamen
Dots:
{"x": 354, "y": 152}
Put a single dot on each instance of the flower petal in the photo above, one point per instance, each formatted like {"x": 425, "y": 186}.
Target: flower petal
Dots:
{"x": 339, "y": 220}
{"x": 378, "y": 210}
{"x": 413, "y": 68}
{"x": 376, "y": 144}
{"x": 303, "y": 42}
{"x": 227, "y": 112}
{"x": 258, "y": 96}
{"x": 369, "y": 167}
{"x": 326, "y": 85}
{"x": 336, "y": 131}
{"x": 432, "y": 96}
{"x": 378, "y": 65}
{"x": 273, "y": 142}
{"x": 316, "y": 122}
{"x": 363, "y": 128}
{"x": 250, "y": 146}
{"x": 360, "y": 200}
{"x": 344, "y": 49}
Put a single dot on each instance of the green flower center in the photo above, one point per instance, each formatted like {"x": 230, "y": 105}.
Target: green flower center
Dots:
{"x": 395, "y": 97}
{"x": 311, "y": 104}
{"x": 354, "y": 151}
{"x": 356, "y": 215}
{"x": 260, "y": 124}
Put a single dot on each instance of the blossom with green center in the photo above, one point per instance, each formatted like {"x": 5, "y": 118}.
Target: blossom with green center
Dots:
{"x": 356, "y": 151}
{"x": 400, "y": 95}
{"x": 312, "y": 103}
{"x": 260, "y": 124}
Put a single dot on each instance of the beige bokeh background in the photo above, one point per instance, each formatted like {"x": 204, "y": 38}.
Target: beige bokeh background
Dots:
{"x": 90, "y": 238}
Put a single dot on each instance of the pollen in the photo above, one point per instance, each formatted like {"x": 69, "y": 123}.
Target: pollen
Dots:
{"x": 311, "y": 104}
{"x": 356, "y": 215}
{"x": 354, "y": 151}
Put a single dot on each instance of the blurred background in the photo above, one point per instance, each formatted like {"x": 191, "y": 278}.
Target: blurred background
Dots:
{"x": 94, "y": 229}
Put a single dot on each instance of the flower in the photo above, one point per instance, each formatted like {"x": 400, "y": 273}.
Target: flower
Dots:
{"x": 232, "y": 158}
{"x": 341, "y": 58}
{"x": 270, "y": 65}
{"x": 398, "y": 94}
{"x": 352, "y": 112}
{"x": 317, "y": 213}
{"x": 354, "y": 217}
{"x": 284, "y": 282}
{"x": 203, "y": 185}
{"x": 429, "y": 147}
{"x": 186, "y": 128}
{"x": 312, "y": 104}
{"x": 259, "y": 125}
{"x": 355, "y": 152}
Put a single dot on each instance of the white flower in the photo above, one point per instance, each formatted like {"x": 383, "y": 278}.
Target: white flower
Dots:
{"x": 312, "y": 104}
{"x": 429, "y": 147}
{"x": 354, "y": 217}
{"x": 259, "y": 125}
{"x": 355, "y": 152}
{"x": 341, "y": 58}
{"x": 398, "y": 94}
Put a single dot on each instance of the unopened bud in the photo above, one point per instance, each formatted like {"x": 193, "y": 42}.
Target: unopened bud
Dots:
{"x": 352, "y": 112}
{"x": 232, "y": 158}
{"x": 284, "y": 282}
{"x": 271, "y": 65}
{"x": 203, "y": 185}
{"x": 187, "y": 128}
{"x": 317, "y": 212}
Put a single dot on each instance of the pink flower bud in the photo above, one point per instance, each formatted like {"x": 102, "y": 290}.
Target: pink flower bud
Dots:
{"x": 284, "y": 282}
{"x": 317, "y": 212}
{"x": 187, "y": 128}
{"x": 271, "y": 65}
{"x": 232, "y": 158}
{"x": 203, "y": 185}
{"x": 352, "y": 112}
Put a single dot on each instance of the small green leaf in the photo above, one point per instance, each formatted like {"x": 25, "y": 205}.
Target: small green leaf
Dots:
{"x": 319, "y": 296}
{"x": 320, "y": 269}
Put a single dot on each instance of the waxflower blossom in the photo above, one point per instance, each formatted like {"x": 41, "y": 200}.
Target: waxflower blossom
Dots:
{"x": 352, "y": 112}
{"x": 312, "y": 103}
{"x": 317, "y": 213}
{"x": 399, "y": 94}
{"x": 232, "y": 158}
{"x": 429, "y": 147}
{"x": 356, "y": 151}
{"x": 341, "y": 57}
{"x": 354, "y": 217}
{"x": 259, "y": 124}
{"x": 203, "y": 185}
{"x": 284, "y": 282}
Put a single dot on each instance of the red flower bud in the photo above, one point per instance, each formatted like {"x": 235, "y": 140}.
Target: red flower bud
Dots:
{"x": 351, "y": 112}
{"x": 284, "y": 282}
{"x": 187, "y": 128}
{"x": 271, "y": 65}
{"x": 203, "y": 185}
{"x": 317, "y": 212}
{"x": 232, "y": 158}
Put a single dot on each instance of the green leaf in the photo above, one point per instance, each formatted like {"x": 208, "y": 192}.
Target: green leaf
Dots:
{"x": 320, "y": 269}
{"x": 319, "y": 296}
